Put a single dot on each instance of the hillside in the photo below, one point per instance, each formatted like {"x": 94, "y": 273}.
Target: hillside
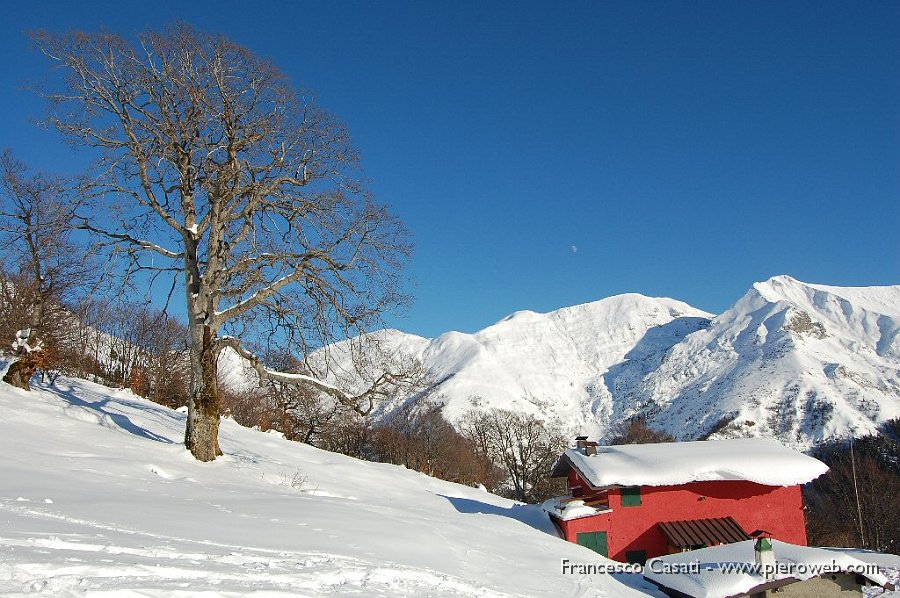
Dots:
{"x": 99, "y": 497}
{"x": 800, "y": 362}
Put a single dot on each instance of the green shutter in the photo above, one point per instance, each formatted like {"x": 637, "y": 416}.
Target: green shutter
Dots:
{"x": 596, "y": 541}
{"x": 631, "y": 496}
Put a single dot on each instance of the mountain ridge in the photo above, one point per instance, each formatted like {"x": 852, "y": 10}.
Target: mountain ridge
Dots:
{"x": 803, "y": 363}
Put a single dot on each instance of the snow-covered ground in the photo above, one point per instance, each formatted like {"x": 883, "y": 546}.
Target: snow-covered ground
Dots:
{"x": 99, "y": 498}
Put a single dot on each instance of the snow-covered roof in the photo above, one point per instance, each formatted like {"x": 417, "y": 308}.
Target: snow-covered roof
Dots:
{"x": 728, "y": 570}
{"x": 665, "y": 464}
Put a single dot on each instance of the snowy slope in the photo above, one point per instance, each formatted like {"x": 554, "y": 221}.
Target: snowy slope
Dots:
{"x": 799, "y": 362}
{"x": 99, "y": 498}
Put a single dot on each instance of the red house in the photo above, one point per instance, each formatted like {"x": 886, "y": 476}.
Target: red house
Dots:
{"x": 638, "y": 501}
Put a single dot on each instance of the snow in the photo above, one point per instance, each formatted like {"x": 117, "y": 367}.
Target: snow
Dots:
{"x": 98, "y": 497}
{"x": 546, "y": 364}
{"x": 888, "y": 564}
{"x": 567, "y": 509}
{"x": 802, "y": 363}
{"x": 753, "y": 459}
{"x": 20, "y": 344}
{"x": 709, "y": 580}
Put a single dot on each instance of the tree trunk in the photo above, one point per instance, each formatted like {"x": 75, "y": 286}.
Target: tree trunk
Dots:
{"x": 201, "y": 435}
{"x": 20, "y": 372}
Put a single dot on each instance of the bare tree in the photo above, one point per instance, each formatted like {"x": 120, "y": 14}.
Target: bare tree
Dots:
{"x": 307, "y": 414}
{"x": 36, "y": 222}
{"x": 522, "y": 444}
{"x": 854, "y": 503}
{"x": 419, "y": 437}
{"x": 215, "y": 170}
{"x": 93, "y": 323}
{"x": 148, "y": 353}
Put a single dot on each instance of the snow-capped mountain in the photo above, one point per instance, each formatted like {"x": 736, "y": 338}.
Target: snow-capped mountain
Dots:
{"x": 800, "y": 362}
{"x": 550, "y": 365}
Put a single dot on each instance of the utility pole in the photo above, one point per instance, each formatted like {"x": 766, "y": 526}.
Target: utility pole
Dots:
{"x": 862, "y": 537}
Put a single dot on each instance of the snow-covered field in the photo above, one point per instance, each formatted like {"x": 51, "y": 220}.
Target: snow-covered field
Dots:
{"x": 99, "y": 498}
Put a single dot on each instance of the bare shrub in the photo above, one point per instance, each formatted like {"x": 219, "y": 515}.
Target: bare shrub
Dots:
{"x": 872, "y": 474}
{"x": 637, "y": 431}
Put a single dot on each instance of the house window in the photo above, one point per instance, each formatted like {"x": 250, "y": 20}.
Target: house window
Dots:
{"x": 636, "y": 556}
{"x": 631, "y": 496}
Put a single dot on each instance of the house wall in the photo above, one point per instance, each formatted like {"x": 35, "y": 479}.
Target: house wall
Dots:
{"x": 575, "y": 483}
{"x": 776, "y": 509}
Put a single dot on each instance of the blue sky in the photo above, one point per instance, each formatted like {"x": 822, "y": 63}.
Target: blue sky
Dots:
{"x": 545, "y": 156}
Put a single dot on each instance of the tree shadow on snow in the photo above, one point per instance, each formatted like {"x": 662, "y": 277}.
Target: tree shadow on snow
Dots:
{"x": 530, "y": 515}
{"x": 101, "y": 408}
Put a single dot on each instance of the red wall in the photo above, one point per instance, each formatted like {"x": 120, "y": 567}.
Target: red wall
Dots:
{"x": 776, "y": 509}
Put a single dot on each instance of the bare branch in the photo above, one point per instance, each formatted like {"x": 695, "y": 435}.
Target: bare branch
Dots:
{"x": 143, "y": 244}
{"x": 368, "y": 397}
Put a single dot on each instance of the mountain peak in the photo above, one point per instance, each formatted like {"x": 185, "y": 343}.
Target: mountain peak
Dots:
{"x": 781, "y": 288}
{"x": 609, "y": 308}
{"x": 801, "y": 362}
{"x": 876, "y": 299}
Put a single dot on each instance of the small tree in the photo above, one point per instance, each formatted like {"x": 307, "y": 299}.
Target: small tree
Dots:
{"x": 214, "y": 169}
{"x": 36, "y": 225}
{"x": 153, "y": 354}
{"x": 419, "y": 437}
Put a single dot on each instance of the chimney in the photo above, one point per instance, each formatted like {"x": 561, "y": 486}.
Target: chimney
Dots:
{"x": 763, "y": 554}
{"x": 588, "y": 446}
